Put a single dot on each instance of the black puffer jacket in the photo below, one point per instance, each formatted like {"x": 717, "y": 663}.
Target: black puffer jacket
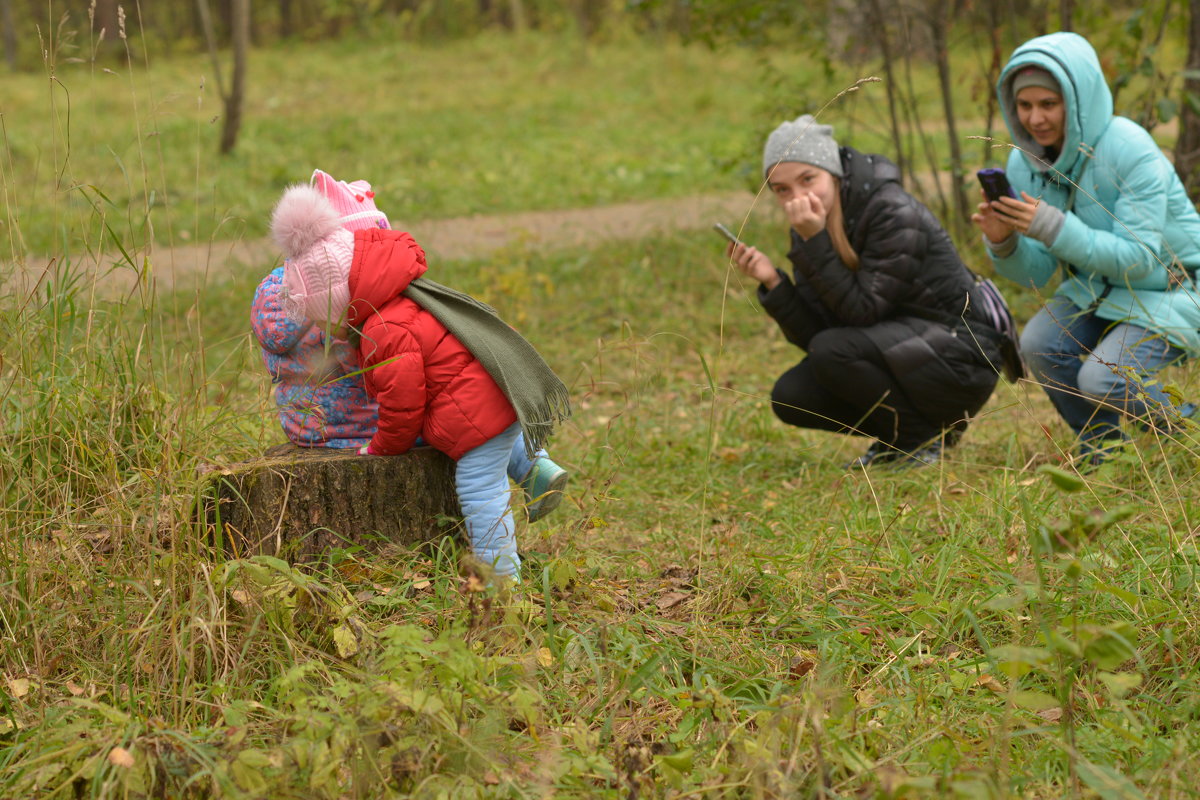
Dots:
{"x": 909, "y": 274}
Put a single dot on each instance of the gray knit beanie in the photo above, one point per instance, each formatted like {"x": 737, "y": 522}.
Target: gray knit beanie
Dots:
{"x": 805, "y": 142}
{"x": 1034, "y": 76}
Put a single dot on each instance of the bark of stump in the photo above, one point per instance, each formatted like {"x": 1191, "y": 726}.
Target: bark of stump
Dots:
{"x": 299, "y": 502}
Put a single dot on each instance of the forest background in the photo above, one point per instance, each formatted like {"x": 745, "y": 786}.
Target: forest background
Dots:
{"x": 719, "y": 609}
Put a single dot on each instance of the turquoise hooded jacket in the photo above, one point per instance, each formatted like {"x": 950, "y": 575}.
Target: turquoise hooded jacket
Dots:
{"x": 1129, "y": 226}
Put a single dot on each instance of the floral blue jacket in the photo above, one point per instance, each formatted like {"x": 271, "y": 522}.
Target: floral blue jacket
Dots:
{"x": 318, "y": 405}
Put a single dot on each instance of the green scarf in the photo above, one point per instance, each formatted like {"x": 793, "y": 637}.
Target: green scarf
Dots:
{"x": 536, "y": 393}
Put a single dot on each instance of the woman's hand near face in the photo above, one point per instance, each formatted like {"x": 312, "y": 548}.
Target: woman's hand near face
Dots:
{"x": 752, "y": 262}
{"x": 806, "y": 213}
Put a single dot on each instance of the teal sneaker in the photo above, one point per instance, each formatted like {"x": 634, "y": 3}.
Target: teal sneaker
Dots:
{"x": 543, "y": 487}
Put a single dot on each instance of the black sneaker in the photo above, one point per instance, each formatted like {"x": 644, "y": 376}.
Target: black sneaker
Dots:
{"x": 925, "y": 456}
{"x": 880, "y": 454}
{"x": 877, "y": 453}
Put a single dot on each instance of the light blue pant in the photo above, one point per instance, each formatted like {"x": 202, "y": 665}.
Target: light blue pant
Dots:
{"x": 1095, "y": 370}
{"x": 481, "y": 479}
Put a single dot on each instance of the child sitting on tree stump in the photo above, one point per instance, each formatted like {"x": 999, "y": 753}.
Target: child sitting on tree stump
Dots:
{"x": 442, "y": 366}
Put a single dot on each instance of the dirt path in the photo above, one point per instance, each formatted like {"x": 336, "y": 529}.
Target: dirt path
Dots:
{"x": 444, "y": 239}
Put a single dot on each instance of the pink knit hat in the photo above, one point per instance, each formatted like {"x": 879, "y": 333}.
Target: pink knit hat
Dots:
{"x": 354, "y": 201}
{"x": 318, "y": 249}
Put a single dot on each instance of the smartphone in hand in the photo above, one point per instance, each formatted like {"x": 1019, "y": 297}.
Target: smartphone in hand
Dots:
{"x": 728, "y": 234}
{"x": 995, "y": 184}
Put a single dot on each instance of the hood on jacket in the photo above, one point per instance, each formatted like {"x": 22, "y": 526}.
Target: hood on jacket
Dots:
{"x": 385, "y": 263}
{"x": 1088, "y": 103}
{"x": 865, "y": 174}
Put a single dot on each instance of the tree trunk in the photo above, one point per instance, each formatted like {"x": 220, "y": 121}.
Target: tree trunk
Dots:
{"x": 1187, "y": 146}
{"x": 913, "y": 119}
{"x": 516, "y": 13}
{"x": 992, "y": 77}
{"x": 105, "y": 19}
{"x": 885, "y": 49}
{"x": 285, "y": 19}
{"x": 584, "y": 13}
{"x": 490, "y": 15}
{"x": 237, "y": 90}
{"x": 210, "y": 39}
{"x": 10, "y": 35}
{"x": 1066, "y": 11}
{"x": 938, "y": 27}
{"x": 298, "y": 502}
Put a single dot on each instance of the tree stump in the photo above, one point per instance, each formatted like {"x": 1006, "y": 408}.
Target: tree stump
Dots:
{"x": 299, "y": 502}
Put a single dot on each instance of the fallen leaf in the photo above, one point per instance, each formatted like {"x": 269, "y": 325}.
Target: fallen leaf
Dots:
{"x": 678, "y": 573}
{"x": 544, "y": 657}
{"x": 240, "y": 596}
{"x": 1050, "y": 714}
{"x": 421, "y": 586}
{"x": 345, "y": 640}
{"x": 671, "y": 599}
{"x": 120, "y": 757}
{"x": 730, "y": 454}
{"x": 801, "y": 666}
{"x": 18, "y": 687}
{"x": 990, "y": 682}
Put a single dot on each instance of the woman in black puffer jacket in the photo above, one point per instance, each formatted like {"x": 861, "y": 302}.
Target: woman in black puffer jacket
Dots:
{"x": 898, "y": 346}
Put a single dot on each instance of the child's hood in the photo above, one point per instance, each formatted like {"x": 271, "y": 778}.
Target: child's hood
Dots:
{"x": 385, "y": 263}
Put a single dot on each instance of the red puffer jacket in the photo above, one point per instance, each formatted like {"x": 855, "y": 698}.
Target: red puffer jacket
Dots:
{"x": 426, "y": 382}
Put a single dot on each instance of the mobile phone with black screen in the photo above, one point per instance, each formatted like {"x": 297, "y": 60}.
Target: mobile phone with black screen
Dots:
{"x": 995, "y": 184}
{"x": 728, "y": 234}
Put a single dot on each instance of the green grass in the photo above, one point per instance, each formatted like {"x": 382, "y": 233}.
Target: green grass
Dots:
{"x": 94, "y": 152}
{"x": 488, "y": 126}
{"x": 97, "y": 151}
{"x": 720, "y": 610}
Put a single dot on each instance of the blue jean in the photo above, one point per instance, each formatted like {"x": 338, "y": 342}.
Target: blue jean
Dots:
{"x": 481, "y": 480}
{"x": 1096, "y": 370}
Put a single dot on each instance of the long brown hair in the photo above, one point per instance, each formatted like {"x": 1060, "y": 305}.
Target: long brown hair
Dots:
{"x": 835, "y": 224}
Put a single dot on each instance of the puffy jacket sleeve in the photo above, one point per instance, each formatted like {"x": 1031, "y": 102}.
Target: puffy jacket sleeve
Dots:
{"x": 396, "y": 378}
{"x": 1029, "y": 264}
{"x": 1128, "y": 251}
{"x": 798, "y": 318}
{"x": 891, "y": 249}
{"x": 272, "y": 327}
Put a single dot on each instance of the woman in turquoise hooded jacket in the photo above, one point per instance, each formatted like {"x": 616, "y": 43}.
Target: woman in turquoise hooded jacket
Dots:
{"x": 1100, "y": 206}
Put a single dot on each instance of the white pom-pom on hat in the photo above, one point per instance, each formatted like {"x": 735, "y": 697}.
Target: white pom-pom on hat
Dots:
{"x": 319, "y": 252}
{"x": 302, "y": 218}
